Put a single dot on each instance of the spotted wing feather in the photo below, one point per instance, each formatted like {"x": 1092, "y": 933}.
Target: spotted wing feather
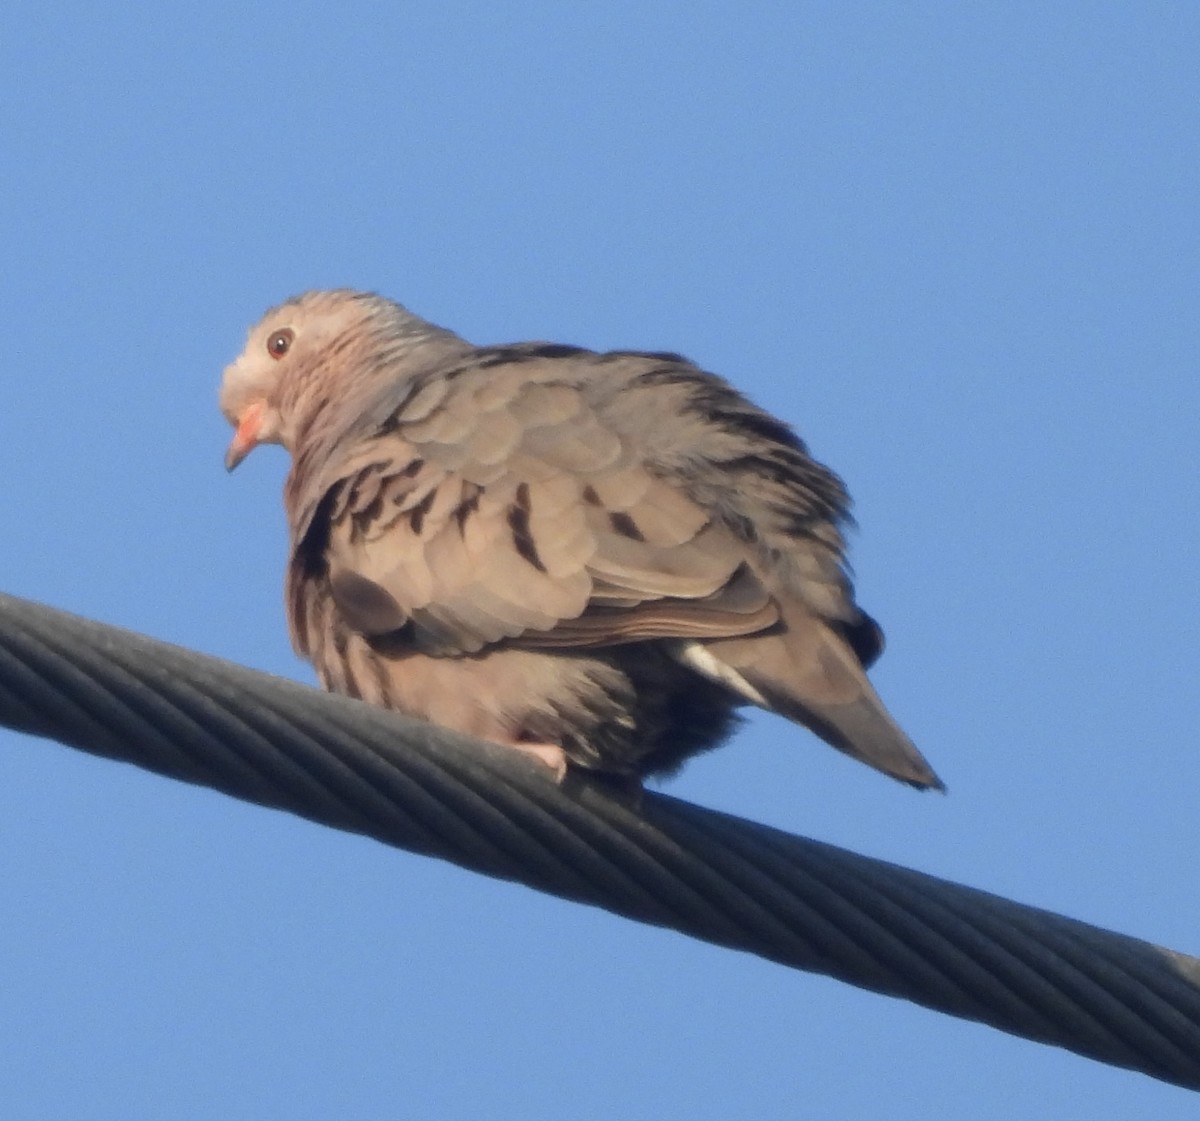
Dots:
{"x": 544, "y": 498}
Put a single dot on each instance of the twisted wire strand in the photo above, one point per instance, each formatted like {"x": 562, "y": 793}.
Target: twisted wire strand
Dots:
{"x": 709, "y": 875}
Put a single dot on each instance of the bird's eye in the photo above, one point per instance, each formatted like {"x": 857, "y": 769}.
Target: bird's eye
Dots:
{"x": 280, "y": 342}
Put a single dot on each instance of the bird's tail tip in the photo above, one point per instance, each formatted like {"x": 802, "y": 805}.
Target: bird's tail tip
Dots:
{"x": 863, "y": 729}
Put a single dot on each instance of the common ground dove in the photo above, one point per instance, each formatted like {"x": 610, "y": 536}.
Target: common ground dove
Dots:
{"x": 594, "y": 557}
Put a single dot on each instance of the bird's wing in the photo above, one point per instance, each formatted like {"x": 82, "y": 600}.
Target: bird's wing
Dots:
{"x": 555, "y": 498}
{"x": 503, "y": 504}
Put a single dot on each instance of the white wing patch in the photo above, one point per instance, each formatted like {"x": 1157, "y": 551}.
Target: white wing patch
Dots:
{"x": 699, "y": 657}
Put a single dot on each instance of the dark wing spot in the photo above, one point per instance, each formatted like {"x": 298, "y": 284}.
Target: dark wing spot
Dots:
{"x": 467, "y": 506}
{"x": 362, "y": 520}
{"x": 590, "y": 496}
{"x": 416, "y": 518}
{"x": 623, "y": 524}
{"x": 518, "y": 522}
{"x": 413, "y": 468}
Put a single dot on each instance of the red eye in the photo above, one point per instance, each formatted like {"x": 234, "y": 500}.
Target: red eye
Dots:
{"x": 280, "y": 342}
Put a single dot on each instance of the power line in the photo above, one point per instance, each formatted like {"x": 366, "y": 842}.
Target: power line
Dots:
{"x": 663, "y": 861}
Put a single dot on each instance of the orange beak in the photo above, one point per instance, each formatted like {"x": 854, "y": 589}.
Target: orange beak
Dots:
{"x": 245, "y": 439}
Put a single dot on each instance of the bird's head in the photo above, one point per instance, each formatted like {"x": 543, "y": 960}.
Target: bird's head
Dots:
{"x": 315, "y": 352}
{"x": 263, "y": 385}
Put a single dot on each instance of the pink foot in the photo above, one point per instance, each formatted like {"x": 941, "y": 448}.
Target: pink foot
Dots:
{"x": 549, "y": 753}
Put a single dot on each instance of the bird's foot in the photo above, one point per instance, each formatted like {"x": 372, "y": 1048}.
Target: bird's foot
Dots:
{"x": 549, "y": 753}
{"x": 624, "y": 789}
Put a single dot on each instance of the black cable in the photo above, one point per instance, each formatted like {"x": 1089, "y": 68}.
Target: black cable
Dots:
{"x": 662, "y": 861}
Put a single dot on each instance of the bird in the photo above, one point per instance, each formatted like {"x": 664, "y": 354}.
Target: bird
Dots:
{"x": 598, "y": 558}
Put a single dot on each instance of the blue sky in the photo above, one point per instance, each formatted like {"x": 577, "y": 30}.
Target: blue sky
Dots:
{"x": 955, "y": 245}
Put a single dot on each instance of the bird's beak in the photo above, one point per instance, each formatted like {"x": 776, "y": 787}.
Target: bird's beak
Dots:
{"x": 246, "y": 438}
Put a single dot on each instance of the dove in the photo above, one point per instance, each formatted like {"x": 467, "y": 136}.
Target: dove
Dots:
{"x": 597, "y": 558}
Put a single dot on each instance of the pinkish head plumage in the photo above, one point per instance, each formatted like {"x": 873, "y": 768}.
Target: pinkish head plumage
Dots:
{"x": 299, "y": 351}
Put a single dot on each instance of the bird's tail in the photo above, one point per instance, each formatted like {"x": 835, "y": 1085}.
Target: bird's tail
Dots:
{"x": 805, "y": 671}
